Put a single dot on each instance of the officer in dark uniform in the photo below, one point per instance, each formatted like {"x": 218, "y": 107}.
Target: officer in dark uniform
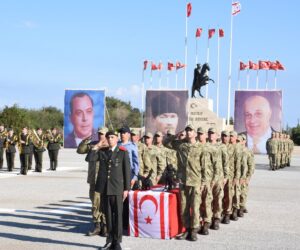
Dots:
{"x": 10, "y": 146}
{"x": 24, "y": 141}
{"x": 53, "y": 147}
{"x": 2, "y": 138}
{"x": 38, "y": 149}
{"x": 113, "y": 182}
{"x": 31, "y": 146}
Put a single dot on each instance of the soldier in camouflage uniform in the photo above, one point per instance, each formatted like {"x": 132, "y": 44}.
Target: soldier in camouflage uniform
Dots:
{"x": 247, "y": 170}
{"x": 155, "y": 156}
{"x": 278, "y": 154}
{"x": 272, "y": 150}
{"x": 91, "y": 148}
{"x": 284, "y": 151}
{"x": 189, "y": 176}
{"x": 290, "y": 150}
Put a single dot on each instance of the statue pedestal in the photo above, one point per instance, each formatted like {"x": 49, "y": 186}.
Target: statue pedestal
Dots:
{"x": 200, "y": 113}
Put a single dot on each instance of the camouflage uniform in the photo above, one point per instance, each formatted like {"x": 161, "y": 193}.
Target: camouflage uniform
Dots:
{"x": 290, "y": 151}
{"x": 272, "y": 152}
{"x": 278, "y": 154}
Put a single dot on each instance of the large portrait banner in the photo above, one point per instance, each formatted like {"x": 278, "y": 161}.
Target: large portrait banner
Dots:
{"x": 84, "y": 113}
{"x": 257, "y": 114}
{"x": 166, "y": 110}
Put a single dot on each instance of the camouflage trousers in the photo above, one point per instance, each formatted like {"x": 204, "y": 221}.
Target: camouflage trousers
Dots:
{"x": 278, "y": 160}
{"x": 283, "y": 159}
{"x": 272, "y": 161}
{"x": 206, "y": 200}
{"x": 97, "y": 205}
{"x": 190, "y": 199}
{"x": 244, "y": 195}
{"x": 236, "y": 192}
{"x": 231, "y": 197}
{"x": 218, "y": 194}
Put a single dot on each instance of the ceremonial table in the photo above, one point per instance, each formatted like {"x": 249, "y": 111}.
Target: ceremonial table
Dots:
{"x": 154, "y": 214}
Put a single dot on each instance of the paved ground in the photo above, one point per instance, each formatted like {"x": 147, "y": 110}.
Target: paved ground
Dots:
{"x": 51, "y": 210}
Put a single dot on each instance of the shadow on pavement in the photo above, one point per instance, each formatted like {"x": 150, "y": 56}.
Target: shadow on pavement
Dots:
{"x": 44, "y": 240}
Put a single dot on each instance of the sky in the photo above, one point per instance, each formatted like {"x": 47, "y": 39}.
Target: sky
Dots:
{"x": 49, "y": 46}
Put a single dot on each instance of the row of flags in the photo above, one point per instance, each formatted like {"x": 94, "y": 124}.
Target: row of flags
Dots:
{"x": 211, "y": 32}
{"x": 264, "y": 65}
{"x": 171, "y": 66}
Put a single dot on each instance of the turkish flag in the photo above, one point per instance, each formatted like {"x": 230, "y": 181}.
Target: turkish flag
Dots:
{"x": 179, "y": 65}
{"x": 243, "y": 66}
{"x": 280, "y": 66}
{"x": 221, "y": 33}
{"x": 153, "y": 66}
{"x": 170, "y": 66}
{"x": 253, "y": 65}
{"x": 198, "y": 32}
{"x": 188, "y": 9}
{"x": 145, "y": 64}
{"x": 263, "y": 65}
{"x": 153, "y": 214}
{"x": 273, "y": 65}
{"x": 211, "y": 32}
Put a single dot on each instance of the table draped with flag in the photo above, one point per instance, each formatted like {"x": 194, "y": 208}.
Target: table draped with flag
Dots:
{"x": 154, "y": 214}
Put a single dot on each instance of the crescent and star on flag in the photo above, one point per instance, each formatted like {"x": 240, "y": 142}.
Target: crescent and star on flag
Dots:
{"x": 148, "y": 219}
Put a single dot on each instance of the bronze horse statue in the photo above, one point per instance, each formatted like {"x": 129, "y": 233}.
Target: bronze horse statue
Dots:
{"x": 200, "y": 78}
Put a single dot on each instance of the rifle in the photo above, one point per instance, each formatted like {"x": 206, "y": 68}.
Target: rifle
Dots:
{"x": 143, "y": 183}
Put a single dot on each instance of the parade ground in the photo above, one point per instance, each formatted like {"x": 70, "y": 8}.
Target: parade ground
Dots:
{"x": 51, "y": 210}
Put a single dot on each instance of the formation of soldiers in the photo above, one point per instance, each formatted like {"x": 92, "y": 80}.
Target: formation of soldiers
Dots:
{"x": 279, "y": 149}
{"x": 213, "y": 174}
{"x": 29, "y": 144}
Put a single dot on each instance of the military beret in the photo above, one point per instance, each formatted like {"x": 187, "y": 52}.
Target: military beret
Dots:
{"x": 225, "y": 132}
{"x": 190, "y": 126}
{"x": 111, "y": 132}
{"x": 148, "y": 134}
{"x": 158, "y": 133}
{"x": 200, "y": 130}
{"x": 212, "y": 130}
{"x": 124, "y": 129}
{"x": 233, "y": 133}
{"x": 102, "y": 130}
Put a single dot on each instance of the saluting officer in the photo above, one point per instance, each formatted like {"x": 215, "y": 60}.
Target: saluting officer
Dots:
{"x": 113, "y": 183}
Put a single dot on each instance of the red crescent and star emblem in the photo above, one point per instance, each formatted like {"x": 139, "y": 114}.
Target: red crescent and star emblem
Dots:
{"x": 153, "y": 200}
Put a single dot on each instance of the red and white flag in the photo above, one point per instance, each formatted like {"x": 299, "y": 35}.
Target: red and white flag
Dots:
{"x": 198, "y": 32}
{"x": 243, "y": 66}
{"x": 236, "y": 8}
{"x": 153, "y": 66}
{"x": 188, "y": 9}
{"x": 149, "y": 214}
{"x": 253, "y": 65}
{"x": 145, "y": 64}
{"x": 280, "y": 66}
{"x": 160, "y": 66}
{"x": 211, "y": 32}
{"x": 179, "y": 65}
{"x": 263, "y": 65}
{"x": 221, "y": 33}
{"x": 273, "y": 66}
{"x": 170, "y": 66}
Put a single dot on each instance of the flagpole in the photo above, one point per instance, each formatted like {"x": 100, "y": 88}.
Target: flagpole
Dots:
{"x": 142, "y": 108}
{"x": 186, "y": 49}
{"x": 266, "y": 79}
{"x": 257, "y": 79}
{"x": 151, "y": 76}
{"x": 218, "y": 75}
{"x": 167, "y": 78}
{"x": 239, "y": 79}
{"x": 275, "y": 80}
{"x": 229, "y": 73}
{"x": 196, "y": 50}
{"x": 159, "y": 74}
{"x": 176, "y": 80}
{"x": 248, "y": 78}
{"x": 207, "y": 60}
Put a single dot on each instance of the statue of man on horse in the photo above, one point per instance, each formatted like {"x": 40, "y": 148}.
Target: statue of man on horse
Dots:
{"x": 201, "y": 78}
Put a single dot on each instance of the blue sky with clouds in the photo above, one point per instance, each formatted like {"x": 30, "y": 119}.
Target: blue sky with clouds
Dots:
{"x": 49, "y": 46}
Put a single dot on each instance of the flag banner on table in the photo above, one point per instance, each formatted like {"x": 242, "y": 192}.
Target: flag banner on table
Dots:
{"x": 253, "y": 65}
{"x": 198, "y": 32}
{"x": 153, "y": 214}
{"x": 243, "y": 66}
{"x": 211, "y": 32}
{"x": 263, "y": 65}
{"x": 273, "y": 66}
{"x": 170, "y": 66}
{"x": 280, "y": 66}
{"x": 145, "y": 64}
{"x": 236, "y": 8}
{"x": 153, "y": 66}
{"x": 188, "y": 9}
{"x": 221, "y": 33}
{"x": 179, "y": 65}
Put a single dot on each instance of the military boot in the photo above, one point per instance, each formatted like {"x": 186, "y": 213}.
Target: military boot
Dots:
{"x": 103, "y": 230}
{"x": 184, "y": 235}
{"x": 234, "y": 215}
{"x": 226, "y": 219}
{"x": 54, "y": 165}
{"x": 193, "y": 236}
{"x": 245, "y": 210}
{"x": 204, "y": 229}
{"x": 96, "y": 230}
{"x": 216, "y": 224}
{"x": 240, "y": 212}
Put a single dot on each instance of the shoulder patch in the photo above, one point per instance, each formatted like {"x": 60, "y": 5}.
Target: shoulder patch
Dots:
{"x": 122, "y": 148}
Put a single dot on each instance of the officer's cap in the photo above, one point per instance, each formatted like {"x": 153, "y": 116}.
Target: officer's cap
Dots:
{"x": 111, "y": 132}
{"x": 189, "y": 126}
{"x": 124, "y": 129}
{"x": 102, "y": 130}
{"x": 149, "y": 135}
{"x": 200, "y": 130}
{"x": 212, "y": 130}
{"x": 225, "y": 132}
{"x": 233, "y": 133}
{"x": 158, "y": 133}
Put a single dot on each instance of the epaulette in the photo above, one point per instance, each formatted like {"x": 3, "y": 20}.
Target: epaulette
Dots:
{"x": 122, "y": 148}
